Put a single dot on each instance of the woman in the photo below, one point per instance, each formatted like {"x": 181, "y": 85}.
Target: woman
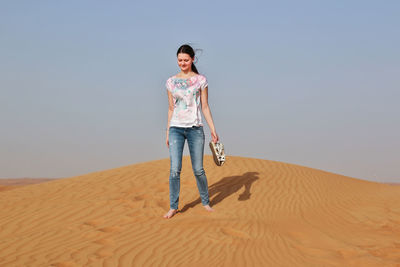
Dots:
{"x": 187, "y": 91}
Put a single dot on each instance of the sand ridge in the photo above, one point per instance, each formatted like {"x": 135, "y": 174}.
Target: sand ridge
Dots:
{"x": 12, "y": 183}
{"x": 268, "y": 213}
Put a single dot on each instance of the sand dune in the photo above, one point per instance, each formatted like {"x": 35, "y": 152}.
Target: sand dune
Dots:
{"x": 23, "y": 181}
{"x": 12, "y": 183}
{"x": 267, "y": 214}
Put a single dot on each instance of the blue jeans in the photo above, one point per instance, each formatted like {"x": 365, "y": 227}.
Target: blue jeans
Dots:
{"x": 195, "y": 138}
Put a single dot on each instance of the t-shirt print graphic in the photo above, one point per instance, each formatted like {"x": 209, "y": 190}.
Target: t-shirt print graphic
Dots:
{"x": 186, "y": 94}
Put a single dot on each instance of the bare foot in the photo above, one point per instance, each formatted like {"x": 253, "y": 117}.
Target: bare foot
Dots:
{"x": 208, "y": 208}
{"x": 170, "y": 213}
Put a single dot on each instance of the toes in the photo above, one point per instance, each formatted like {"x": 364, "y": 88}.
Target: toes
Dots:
{"x": 169, "y": 214}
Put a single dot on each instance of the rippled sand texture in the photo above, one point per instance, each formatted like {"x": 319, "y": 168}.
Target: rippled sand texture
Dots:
{"x": 8, "y": 184}
{"x": 267, "y": 214}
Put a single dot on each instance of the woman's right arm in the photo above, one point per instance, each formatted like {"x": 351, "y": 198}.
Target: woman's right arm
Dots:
{"x": 170, "y": 112}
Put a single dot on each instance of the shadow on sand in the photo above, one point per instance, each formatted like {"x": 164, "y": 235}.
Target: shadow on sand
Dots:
{"x": 226, "y": 187}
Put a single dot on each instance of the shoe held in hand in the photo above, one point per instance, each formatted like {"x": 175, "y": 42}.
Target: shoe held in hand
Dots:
{"x": 218, "y": 152}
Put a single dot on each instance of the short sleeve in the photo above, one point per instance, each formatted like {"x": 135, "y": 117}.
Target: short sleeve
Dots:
{"x": 168, "y": 85}
{"x": 203, "y": 82}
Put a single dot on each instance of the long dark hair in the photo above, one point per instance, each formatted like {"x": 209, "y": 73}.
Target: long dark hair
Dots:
{"x": 187, "y": 49}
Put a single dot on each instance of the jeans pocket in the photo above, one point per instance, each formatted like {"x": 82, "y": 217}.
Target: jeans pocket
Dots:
{"x": 201, "y": 131}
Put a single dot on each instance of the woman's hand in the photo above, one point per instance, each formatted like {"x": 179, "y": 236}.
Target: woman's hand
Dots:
{"x": 214, "y": 137}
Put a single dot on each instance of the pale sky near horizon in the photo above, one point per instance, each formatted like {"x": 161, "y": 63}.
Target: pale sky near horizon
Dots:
{"x": 314, "y": 83}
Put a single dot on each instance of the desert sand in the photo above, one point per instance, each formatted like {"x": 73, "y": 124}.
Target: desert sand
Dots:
{"x": 268, "y": 213}
{"x": 8, "y": 184}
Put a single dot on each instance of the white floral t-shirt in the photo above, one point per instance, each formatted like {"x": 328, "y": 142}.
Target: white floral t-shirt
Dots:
{"x": 186, "y": 93}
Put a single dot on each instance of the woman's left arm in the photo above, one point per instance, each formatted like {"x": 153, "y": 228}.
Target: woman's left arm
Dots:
{"x": 207, "y": 114}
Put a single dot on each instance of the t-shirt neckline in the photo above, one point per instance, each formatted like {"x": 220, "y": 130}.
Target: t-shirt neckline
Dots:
{"x": 185, "y": 78}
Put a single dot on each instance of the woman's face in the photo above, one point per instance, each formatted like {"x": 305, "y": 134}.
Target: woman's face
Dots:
{"x": 185, "y": 62}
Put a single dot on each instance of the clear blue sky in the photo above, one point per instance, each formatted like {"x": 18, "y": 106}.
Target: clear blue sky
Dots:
{"x": 315, "y": 83}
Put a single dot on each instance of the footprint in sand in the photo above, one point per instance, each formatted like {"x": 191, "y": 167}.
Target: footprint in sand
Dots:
{"x": 104, "y": 253}
{"x": 107, "y": 248}
{"x": 235, "y": 233}
{"x": 142, "y": 197}
{"x": 161, "y": 188}
{"x": 162, "y": 204}
{"x": 105, "y": 242}
{"x": 91, "y": 235}
{"x": 94, "y": 223}
{"x": 124, "y": 220}
{"x": 119, "y": 208}
{"x": 100, "y": 232}
{"x": 110, "y": 229}
{"x": 64, "y": 264}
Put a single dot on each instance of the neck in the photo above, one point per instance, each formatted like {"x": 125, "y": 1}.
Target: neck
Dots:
{"x": 186, "y": 72}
